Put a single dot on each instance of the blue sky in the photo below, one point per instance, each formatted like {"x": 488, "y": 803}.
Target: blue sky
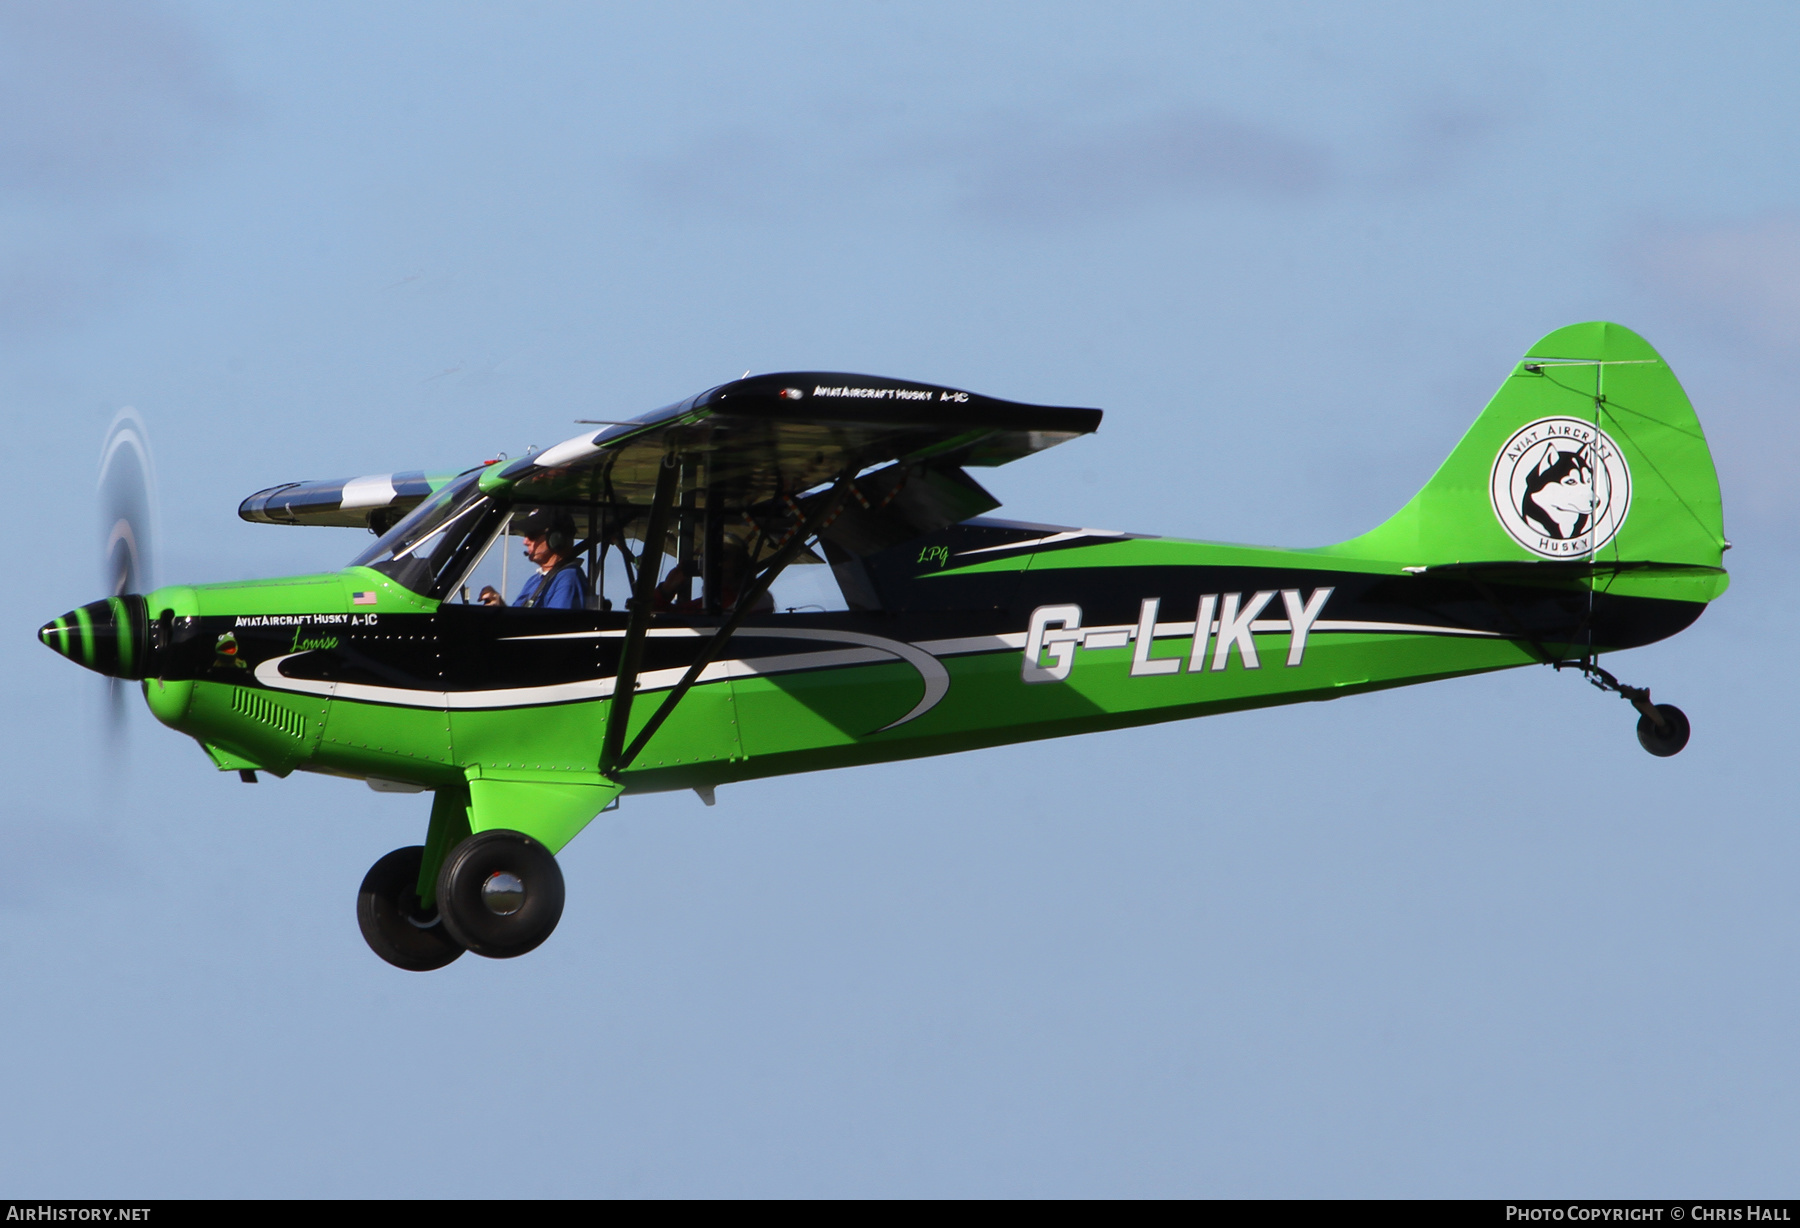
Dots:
{"x": 1462, "y": 939}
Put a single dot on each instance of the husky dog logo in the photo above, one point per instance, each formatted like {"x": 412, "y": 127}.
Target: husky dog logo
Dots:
{"x": 1559, "y": 493}
{"x": 1561, "y": 487}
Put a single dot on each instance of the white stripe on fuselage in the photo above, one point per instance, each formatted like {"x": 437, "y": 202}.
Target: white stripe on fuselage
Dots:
{"x": 869, "y": 650}
{"x": 1067, "y": 536}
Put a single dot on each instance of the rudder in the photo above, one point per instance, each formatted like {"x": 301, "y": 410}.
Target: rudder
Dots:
{"x": 1589, "y": 451}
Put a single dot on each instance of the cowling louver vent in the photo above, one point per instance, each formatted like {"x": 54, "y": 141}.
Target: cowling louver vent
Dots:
{"x": 260, "y": 708}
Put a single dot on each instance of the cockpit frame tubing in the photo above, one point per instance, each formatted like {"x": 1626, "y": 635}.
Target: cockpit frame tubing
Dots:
{"x": 713, "y": 547}
{"x": 710, "y": 651}
{"x": 618, "y": 709}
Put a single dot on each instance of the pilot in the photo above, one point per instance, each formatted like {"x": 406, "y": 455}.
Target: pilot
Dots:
{"x": 558, "y": 583}
{"x": 734, "y": 568}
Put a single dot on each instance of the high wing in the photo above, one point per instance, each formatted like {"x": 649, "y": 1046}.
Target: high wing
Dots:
{"x": 749, "y": 446}
{"x": 376, "y": 501}
{"x": 778, "y": 435}
{"x": 751, "y": 450}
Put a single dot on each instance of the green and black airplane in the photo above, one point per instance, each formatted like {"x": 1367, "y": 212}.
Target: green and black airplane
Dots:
{"x": 1579, "y": 515}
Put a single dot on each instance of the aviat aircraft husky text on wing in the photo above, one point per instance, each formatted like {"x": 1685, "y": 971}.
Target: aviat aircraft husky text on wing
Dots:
{"x": 1579, "y": 515}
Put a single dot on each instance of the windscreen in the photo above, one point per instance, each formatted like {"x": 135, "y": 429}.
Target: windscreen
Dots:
{"x": 438, "y": 541}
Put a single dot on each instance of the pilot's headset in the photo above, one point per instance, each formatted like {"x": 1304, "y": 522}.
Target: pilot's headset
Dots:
{"x": 556, "y": 528}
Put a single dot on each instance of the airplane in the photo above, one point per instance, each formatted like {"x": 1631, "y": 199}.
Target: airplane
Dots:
{"x": 1579, "y": 515}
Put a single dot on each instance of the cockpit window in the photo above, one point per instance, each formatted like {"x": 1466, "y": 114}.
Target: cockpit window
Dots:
{"x": 440, "y": 540}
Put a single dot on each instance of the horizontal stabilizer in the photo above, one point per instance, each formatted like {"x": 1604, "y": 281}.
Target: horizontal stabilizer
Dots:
{"x": 1645, "y": 577}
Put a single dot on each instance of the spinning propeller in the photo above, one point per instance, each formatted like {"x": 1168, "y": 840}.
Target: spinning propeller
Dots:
{"x": 111, "y": 636}
{"x": 127, "y": 492}
{"x": 127, "y": 489}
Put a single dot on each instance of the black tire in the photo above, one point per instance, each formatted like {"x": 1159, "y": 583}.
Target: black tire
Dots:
{"x": 479, "y": 909}
{"x": 1667, "y": 741}
{"x": 392, "y": 921}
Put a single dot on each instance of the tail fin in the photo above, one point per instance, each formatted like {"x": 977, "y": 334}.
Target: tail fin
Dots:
{"x": 1590, "y": 454}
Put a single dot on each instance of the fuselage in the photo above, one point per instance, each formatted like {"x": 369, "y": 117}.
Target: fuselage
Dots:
{"x": 984, "y": 633}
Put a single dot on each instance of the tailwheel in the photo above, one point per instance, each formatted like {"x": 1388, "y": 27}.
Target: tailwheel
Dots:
{"x": 1663, "y": 730}
{"x": 393, "y": 922}
{"x": 500, "y": 893}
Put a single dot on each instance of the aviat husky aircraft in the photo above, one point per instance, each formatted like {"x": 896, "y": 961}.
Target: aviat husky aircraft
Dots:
{"x": 1579, "y": 515}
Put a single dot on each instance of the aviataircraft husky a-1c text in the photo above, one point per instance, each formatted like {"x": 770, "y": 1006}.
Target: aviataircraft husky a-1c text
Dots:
{"x": 1579, "y": 515}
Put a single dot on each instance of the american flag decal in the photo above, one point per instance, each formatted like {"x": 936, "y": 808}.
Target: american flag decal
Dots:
{"x": 362, "y": 598}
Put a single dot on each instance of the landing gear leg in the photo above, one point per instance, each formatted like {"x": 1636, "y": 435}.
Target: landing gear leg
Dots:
{"x": 1662, "y": 729}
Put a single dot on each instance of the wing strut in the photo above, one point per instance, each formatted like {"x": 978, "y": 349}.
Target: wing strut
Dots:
{"x": 619, "y": 710}
{"x": 714, "y": 646}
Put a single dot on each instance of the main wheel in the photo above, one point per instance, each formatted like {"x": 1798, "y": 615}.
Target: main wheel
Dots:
{"x": 1668, "y": 740}
{"x": 501, "y": 893}
{"x": 394, "y": 924}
